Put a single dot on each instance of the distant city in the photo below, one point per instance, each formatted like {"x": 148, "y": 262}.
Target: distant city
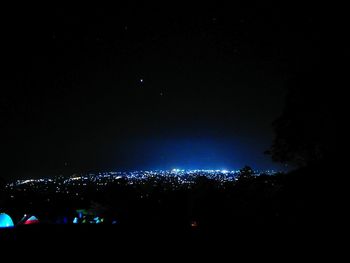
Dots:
{"x": 176, "y": 177}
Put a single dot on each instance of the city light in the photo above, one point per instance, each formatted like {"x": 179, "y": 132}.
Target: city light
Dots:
{"x": 69, "y": 185}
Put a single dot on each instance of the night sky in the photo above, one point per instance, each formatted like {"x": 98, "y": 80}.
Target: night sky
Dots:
{"x": 148, "y": 87}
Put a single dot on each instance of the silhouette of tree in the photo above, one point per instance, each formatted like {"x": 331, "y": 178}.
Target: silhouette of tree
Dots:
{"x": 246, "y": 173}
{"x": 306, "y": 131}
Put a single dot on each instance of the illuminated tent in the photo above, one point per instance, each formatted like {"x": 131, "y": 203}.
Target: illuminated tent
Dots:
{"x": 5, "y": 220}
{"x": 28, "y": 220}
{"x": 87, "y": 216}
{"x": 31, "y": 220}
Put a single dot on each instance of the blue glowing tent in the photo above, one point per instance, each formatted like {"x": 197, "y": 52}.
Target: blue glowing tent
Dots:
{"x": 5, "y": 220}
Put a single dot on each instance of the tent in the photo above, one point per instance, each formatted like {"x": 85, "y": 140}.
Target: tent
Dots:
{"x": 28, "y": 220}
{"x": 5, "y": 220}
{"x": 31, "y": 220}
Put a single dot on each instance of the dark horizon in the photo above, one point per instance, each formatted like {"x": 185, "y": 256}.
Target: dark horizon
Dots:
{"x": 150, "y": 87}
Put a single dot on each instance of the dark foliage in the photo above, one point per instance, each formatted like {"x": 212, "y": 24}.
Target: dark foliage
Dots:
{"x": 307, "y": 130}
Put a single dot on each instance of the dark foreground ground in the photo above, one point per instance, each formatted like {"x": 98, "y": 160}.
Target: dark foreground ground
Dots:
{"x": 169, "y": 242}
{"x": 147, "y": 235}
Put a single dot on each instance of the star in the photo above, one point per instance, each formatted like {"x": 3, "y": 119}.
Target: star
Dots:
{"x": 141, "y": 80}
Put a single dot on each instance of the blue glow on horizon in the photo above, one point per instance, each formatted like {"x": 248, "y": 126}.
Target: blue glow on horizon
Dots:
{"x": 190, "y": 153}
